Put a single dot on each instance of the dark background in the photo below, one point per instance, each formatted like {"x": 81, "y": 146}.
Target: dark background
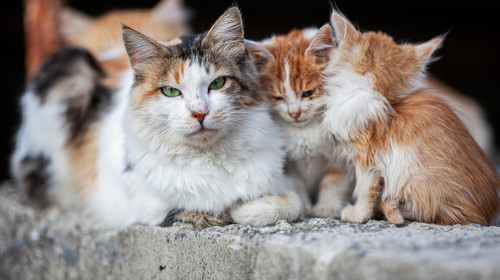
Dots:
{"x": 469, "y": 59}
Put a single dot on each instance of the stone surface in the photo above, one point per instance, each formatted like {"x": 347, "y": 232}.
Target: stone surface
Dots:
{"x": 50, "y": 244}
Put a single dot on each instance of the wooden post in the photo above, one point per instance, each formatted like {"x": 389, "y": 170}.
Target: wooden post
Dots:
{"x": 41, "y": 32}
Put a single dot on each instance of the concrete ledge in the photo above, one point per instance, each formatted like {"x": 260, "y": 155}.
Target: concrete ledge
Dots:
{"x": 50, "y": 244}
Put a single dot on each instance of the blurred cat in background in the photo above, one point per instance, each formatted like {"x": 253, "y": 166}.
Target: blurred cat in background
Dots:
{"x": 102, "y": 35}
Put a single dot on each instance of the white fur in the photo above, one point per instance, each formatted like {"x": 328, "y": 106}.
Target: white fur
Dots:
{"x": 267, "y": 210}
{"x": 309, "y": 147}
{"x": 310, "y": 32}
{"x": 171, "y": 168}
{"x": 242, "y": 161}
{"x": 362, "y": 211}
{"x": 351, "y": 103}
{"x": 42, "y": 134}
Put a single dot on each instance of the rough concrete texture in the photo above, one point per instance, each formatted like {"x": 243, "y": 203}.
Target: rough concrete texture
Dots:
{"x": 52, "y": 244}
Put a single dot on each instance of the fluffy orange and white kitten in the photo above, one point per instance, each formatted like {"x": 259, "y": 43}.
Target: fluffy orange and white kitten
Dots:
{"x": 412, "y": 155}
{"x": 101, "y": 35}
{"x": 290, "y": 68}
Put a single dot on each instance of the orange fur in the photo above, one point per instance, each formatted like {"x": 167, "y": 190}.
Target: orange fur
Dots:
{"x": 331, "y": 178}
{"x": 103, "y": 34}
{"x": 83, "y": 160}
{"x": 305, "y": 69}
{"x": 449, "y": 180}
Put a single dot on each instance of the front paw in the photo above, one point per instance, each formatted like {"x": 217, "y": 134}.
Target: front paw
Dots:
{"x": 199, "y": 220}
{"x": 354, "y": 215}
{"x": 327, "y": 210}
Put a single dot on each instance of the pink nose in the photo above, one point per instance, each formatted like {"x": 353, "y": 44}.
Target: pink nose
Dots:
{"x": 296, "y": 115}
{"x": 199, "y": 115}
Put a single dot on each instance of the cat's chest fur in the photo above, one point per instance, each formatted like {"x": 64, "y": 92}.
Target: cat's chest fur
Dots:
{"x": 306, "y": 141}
{"x": 242, "y": 166}
{"x": 309, "y": 151}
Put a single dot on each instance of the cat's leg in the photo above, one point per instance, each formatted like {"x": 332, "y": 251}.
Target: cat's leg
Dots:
{"x": 303, "y": 192}
{"x": 199, "y": 220}
{"x": 390, "y": 208}
{"x": 334, "y": 191}
{"x": 368, "y": 191}
{"x": 267, "y": 210}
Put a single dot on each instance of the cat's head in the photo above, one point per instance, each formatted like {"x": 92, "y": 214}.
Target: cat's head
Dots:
{"x": 195, "y": 89}
{"x": 290, "y": 68}
{"x": 101, "y": 35}
{"x": 391, "y": 69}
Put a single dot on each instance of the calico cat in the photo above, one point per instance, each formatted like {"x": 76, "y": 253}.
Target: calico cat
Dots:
{"x": 188, "y": 132}
{"x": 413, "y": 157}
{"x": 101, "y": 35}
{"x": 290, "y": 68}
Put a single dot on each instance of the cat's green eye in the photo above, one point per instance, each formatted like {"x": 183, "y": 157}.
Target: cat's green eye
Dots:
{"x": 217, "y": 83}
{"x": 170, "y": 91}
{"x": 278, "y": 97}
{"x": 308, "y": 93}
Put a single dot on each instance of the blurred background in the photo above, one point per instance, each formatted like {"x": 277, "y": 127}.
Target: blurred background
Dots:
{"x": 469, "y": 59}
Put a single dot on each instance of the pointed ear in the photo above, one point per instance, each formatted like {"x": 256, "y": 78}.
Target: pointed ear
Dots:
{"x": 141, "y": 49}
{"x": 321, "y": 45}
{"x": 170, "y": 10}
{"x": 73, "y": 23}
{"x": 343, "y": 30}
{"x": 425, "y": 50}
{"x": 259, "y": 54}
{"x": 226, "y": 35}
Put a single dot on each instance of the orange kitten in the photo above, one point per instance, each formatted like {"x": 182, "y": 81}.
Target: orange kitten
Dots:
{"x": 102, "y": 35}
{"x": 413, "y": 156}
{"x": 290, "y": 69}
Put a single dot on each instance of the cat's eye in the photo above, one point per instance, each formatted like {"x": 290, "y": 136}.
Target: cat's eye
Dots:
{"x": 170, "y": 91}
{"x": 308, "y": 93}
{"x": 217, "y": 83}
{"x": 278, "y": 97}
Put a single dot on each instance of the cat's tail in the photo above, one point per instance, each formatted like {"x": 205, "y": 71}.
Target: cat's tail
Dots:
{"x": 269, "y": 209}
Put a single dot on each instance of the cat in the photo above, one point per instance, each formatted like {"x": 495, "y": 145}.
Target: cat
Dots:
{"x": 290, "y": 68}
{"x": 413, "y": 157}
{"x": 101, "y": 35}
{"x": 189, "y": 131}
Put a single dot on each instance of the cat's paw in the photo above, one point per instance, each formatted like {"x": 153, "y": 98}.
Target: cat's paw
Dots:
{"x": 307, "y": 207}
{"x": 327, "y": 210}
{"x": 267, "y": 210}
{"x": 199, "y": 220}
{"x": 354, "y": 215}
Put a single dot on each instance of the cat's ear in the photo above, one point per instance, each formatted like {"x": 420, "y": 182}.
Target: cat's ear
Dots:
{"x": 343, "y": 30}
{"x": 425, "y": 50}
{"x": 72, "y": 24}
{"x": 321, "y": 45}
{"x": 226, "y": 35}
{"x": 140, "y": 48}
{"x": 259, "y": 54}
{"x": 170, "y": 10}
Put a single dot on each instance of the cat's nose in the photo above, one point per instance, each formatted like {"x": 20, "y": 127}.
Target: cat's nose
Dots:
{"x": 199, "y": 115}
{"x": 295, "y": 115}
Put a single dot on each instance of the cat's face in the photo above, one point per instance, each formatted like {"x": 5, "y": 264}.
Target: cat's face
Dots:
{"x": 194, "y": 89}
{"x": 291, "y": 67}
